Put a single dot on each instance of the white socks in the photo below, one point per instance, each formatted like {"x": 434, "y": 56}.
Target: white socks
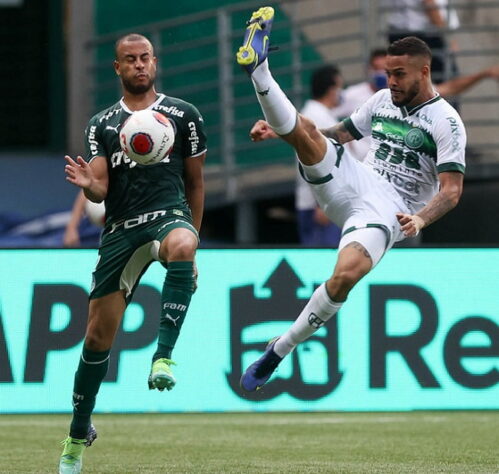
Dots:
{"x": 279, "y": 112}
{"x": 317, "y": 311}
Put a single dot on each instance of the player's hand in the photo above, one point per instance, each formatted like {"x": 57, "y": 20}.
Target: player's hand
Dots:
{"x": 410, "y": 225}
{"x": 78, "y": 172}
{"x": 261, "y": 131}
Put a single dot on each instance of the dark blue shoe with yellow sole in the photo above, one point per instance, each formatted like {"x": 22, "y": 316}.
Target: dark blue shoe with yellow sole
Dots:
{"x": 256, "y": 40}
{"x": 259, "y": 372}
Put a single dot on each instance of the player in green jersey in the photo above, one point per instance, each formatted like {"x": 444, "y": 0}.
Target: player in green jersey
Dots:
{"x": 153, "y": 212}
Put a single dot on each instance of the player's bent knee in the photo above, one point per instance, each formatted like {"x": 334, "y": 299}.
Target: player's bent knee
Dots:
{"x": 346, "y": 279}
{"x": 182, "y": 252}
{"x": 181, "y": 246}
{"x": 97, "y": 342}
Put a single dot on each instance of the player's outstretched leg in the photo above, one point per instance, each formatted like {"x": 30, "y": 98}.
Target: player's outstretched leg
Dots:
{"x": 71, "y": 461}
{"x": 317, "y": 311}
{"x": 252, "y": 57}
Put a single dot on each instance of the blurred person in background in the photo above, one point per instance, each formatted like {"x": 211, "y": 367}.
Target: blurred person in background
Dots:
{"x": 95, "y": 212}
{"x": 314, "y": 227}
{"x": 412, "y": 176}
{"x": 430, "y": 21}
{"x": 152, "y": 213}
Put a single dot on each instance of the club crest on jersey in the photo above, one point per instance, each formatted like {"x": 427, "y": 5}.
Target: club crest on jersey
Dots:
{"x": 414, "y": 138}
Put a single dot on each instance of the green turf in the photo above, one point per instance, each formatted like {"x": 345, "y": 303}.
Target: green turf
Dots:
{"x": 409, "y": 442}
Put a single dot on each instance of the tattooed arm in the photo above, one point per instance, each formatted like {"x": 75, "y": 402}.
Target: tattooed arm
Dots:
{"x": 451, "y": 187}
{"x": 338, "y": 132}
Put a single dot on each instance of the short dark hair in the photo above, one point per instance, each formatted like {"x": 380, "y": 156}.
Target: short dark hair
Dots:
{"x": 129, "y": 37}
{"x": 376, "y": 53}
{"x": 322, "y": 79}
{"x": 411, "y": 46}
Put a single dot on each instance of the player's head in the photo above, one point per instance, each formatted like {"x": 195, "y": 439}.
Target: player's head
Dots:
{"x": 408, "y": 67}
{"x": 326, "y": 83}
{"x": 135, "y": 63}
{"x": 376, "y": 71}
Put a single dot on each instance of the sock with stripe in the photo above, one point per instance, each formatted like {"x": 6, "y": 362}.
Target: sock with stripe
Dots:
{"x": 91, "y": 371}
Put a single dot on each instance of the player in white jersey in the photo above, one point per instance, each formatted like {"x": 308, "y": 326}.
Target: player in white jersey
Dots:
{"x": 412, "y": 177}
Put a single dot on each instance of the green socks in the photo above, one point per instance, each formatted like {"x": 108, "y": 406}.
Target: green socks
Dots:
{"x": 175, "y": 298}
{"x": 91, "y": 371}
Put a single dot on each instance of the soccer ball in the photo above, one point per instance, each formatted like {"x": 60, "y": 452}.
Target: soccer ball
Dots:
{"x": 147, "y": 137}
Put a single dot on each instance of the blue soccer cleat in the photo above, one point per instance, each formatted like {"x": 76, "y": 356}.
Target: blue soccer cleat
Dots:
{"x": 256, "y": 40}
{"x": 259, "y": 372}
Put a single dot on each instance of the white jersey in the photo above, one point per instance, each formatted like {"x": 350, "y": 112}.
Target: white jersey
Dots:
{"x": 410, "y": 147}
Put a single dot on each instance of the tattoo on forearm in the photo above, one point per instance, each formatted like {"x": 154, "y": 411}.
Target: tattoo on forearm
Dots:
{"x": 359, "y": 247}
{"x": 338, "y": 132}
{"x": 440, "y": 205}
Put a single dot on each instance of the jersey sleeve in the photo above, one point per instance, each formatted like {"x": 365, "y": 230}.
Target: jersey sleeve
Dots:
{"x": 194, "y": 140}
{"x": 450, "y": 137}
{"x": 359, "y": 123}
{"x": 93, "y": 142}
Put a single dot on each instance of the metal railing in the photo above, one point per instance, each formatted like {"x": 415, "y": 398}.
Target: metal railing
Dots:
{"x": 196, "y": 63}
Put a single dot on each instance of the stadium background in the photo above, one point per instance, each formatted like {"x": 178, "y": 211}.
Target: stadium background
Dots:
{"x": 420, "y": 333}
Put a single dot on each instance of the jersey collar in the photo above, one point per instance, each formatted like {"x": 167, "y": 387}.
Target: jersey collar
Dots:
{"x": 154, "y": 104}
{"x": 406, "y": 111}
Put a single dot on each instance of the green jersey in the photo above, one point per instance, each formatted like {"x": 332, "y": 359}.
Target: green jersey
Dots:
{"x": 136, "y": 189}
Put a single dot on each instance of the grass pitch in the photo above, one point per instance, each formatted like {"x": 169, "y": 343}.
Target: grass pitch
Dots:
{"x": 412, "y": 442}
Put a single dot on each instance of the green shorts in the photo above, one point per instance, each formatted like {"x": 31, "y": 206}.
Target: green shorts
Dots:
{"x": 128, "y": 247}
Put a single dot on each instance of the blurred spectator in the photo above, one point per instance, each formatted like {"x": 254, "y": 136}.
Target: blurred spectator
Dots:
{"x": 314, "y": 228}
{"x": 354, "y": 96}
{"x": 428, "y": 20}
{"x": 81, "y": 207}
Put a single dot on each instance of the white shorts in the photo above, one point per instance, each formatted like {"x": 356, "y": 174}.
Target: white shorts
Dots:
{"x": 354, "y": 196}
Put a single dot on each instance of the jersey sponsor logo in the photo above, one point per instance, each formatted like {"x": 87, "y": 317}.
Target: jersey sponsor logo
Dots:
{"x": 172, "y": 110}
{"x": 120, "y": 157}
{"x": 409, "y": 186}
{"x": 414, "y": 138}
{"x": 92, "y": 142}
{"x": 193, "y": 137}
{"x": 138, "y": 220}
{"x": 425, "y": 118}
{"x": 456, "y": 134}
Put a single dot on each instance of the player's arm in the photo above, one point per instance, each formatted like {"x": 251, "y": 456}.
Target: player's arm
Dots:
{"x": 194, "y": 187}
{"x": 339, "y": 133}
{"x": 91, "y": 177}
{"x": 451, "y": 188}
{"x": 461, "y": 84}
